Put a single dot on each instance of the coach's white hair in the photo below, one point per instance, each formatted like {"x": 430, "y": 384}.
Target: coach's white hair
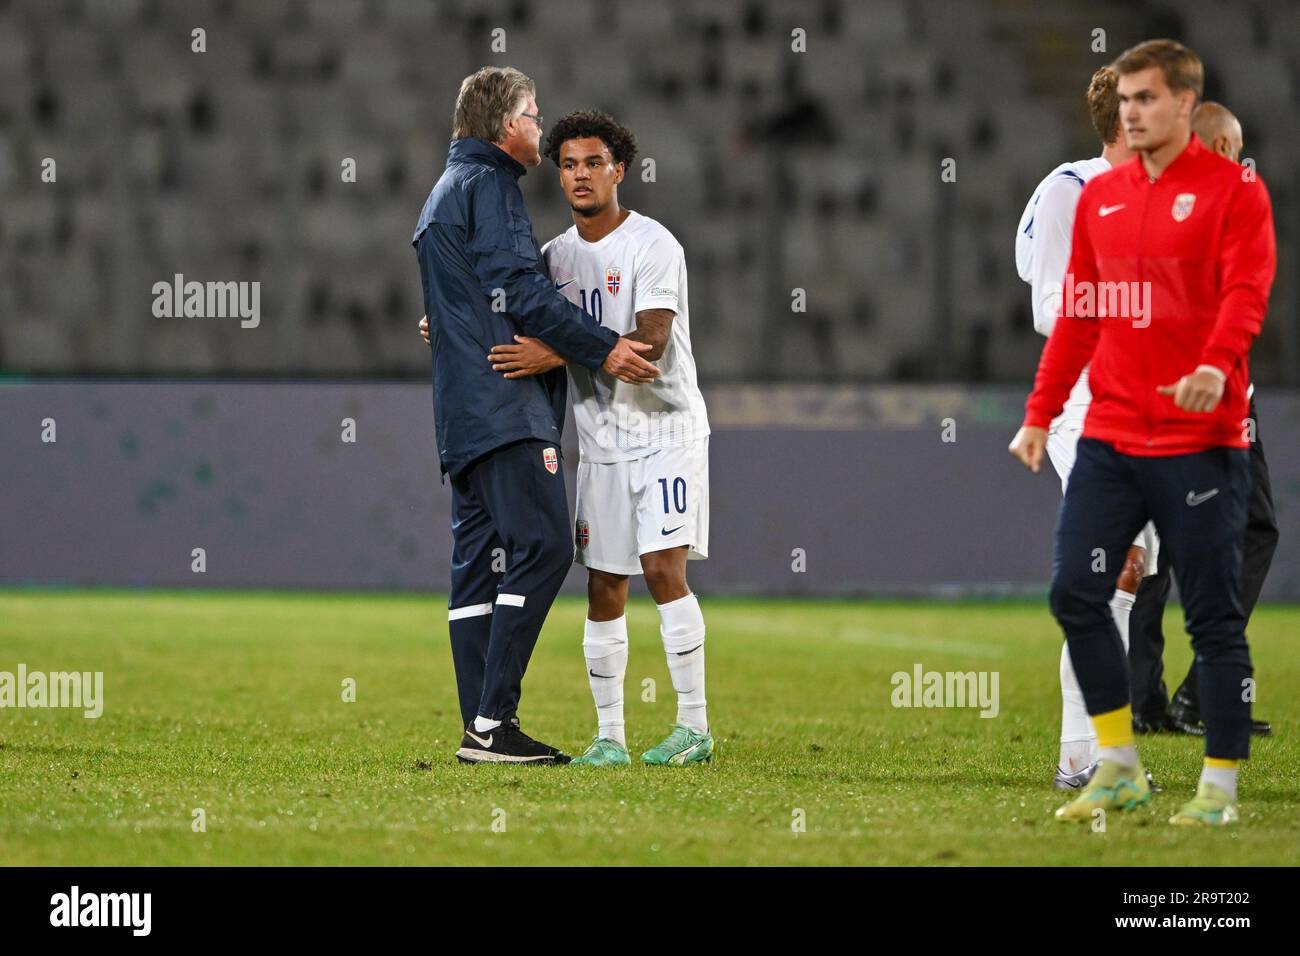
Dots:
{"x": 487, "y": 99}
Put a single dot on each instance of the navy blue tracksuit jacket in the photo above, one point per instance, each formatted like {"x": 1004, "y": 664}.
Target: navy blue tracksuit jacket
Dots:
{"x": 474, "y": 238}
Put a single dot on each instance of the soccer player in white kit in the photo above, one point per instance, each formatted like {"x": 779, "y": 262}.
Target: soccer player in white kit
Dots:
{"x": 643, "y": 475}
{"x": 1042, "y": 256}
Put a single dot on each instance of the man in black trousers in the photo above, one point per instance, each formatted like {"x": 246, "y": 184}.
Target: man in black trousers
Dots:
{"x": 1219, "y": 130}
{"x": 1152, "y": 709}
{"x": 499, "y": 438}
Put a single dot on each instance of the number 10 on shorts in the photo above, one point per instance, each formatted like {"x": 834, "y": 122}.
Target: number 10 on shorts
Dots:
{"x": 679, "y": 495}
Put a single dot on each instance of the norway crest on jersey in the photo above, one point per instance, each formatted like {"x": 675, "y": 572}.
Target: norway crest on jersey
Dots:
{"x": 613, "y": 279}
{"x": 1183, "y": 204}
{"x": 581, "y": 533}
{"x": 551, "y": 460}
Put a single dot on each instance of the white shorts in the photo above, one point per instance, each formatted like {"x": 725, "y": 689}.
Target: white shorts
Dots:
{"x": 1062, "y": 447}
{"x": 630, "y": 508}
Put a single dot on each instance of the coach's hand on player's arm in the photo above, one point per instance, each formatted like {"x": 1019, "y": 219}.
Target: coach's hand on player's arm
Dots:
{"x": 527, "y": 357}
{"x": 1197, "y": 392}
{"x": 424, "y": 329}
{"x": 626, "y": 365}
{"x": 1028, "y": 446}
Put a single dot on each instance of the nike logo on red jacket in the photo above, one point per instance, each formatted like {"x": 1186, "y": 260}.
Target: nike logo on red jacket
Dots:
{"x": 1176, "y": 274}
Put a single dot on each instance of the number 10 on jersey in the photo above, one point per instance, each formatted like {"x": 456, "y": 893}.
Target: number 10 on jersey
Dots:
{"x": 597, "y": 310}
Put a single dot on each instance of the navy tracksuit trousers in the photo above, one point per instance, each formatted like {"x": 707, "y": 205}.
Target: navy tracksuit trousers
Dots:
{"x": 512, "y": 547}
{"x": 1146, "y": 636}
{"x": 1198, "y": 505}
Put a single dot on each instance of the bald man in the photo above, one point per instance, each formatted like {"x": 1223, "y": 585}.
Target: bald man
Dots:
{"x": 1219, "y": 130}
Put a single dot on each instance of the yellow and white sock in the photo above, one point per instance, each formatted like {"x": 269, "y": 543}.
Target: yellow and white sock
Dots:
{"x": 1221, "y": 773}
{"x": 1115, "y": 736}
{"x": 1079, "y": 746}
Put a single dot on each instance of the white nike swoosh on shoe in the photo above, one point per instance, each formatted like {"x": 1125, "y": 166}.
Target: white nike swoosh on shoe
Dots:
{"x": 485, "y": 743}
{"x": 681, "y": 755}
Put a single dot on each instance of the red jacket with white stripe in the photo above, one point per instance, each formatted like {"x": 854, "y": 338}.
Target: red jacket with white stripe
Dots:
{"x": 1164, "y": 276}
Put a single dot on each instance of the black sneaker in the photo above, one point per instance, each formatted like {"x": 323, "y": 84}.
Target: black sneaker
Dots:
{"x": 1153, "y": 724}
{"x": 505, "y": 744}
{"x": 1185, "y": 718}
{"x": 1185, "y": 713}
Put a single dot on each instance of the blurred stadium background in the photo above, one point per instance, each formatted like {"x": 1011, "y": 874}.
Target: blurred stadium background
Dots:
{"x": 776, "y": 170}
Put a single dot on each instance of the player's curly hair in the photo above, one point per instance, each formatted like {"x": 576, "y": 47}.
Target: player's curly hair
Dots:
{"x": 583, "y": 123}
{"x": 1103, "y": 103}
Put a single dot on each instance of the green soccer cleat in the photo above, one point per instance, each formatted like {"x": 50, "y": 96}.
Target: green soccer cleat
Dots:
{"x": 681, "y": 747}
{"x": 1211, "y": 807}
{"x": 603, "y": 752}
{"x": 1112, "y": 787}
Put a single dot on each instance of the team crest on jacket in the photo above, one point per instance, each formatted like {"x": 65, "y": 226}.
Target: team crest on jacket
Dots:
{"x": 551, "y": 460}
{"x": 1183, "y": 204}
{"x": 612, "y": 280}
{"x": 581, "y": 534}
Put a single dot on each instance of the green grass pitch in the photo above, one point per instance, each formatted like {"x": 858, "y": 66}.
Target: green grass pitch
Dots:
{"x": 232, "y": 703}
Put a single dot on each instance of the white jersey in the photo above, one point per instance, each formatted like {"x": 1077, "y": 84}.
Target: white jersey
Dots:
{"x": 1043, "y": 254}
{"x": 1043, "y": 241}
{"x": 1044, "y": 234}
{"x": 636, "y": 267}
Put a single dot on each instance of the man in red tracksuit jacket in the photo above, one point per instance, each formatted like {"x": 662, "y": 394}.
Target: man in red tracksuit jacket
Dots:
{"x": 1173, "y": 255}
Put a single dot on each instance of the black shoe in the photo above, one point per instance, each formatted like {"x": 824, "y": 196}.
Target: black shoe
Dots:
{"x": 1158, "y": 724}
{"x": 1185, "y": 714}
{"x": 1185, "y": 719}
{"x": 1181, "y": 724}
{"x": 505, "y": 744}
{"x": 1258, "y": 728}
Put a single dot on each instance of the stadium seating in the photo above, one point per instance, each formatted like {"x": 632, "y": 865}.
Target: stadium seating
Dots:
{"x": 776, "y": 170}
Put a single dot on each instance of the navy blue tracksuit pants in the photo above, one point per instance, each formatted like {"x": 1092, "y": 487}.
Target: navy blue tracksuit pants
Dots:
{"x": 1146, "y": 636}
{"x": 511, "y": 549}
{"x": 1198, "y": 505}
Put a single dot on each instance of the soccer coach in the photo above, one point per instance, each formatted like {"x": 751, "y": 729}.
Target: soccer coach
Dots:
{"x": 498, "y": 438}
{"x": 1188, "y": 235}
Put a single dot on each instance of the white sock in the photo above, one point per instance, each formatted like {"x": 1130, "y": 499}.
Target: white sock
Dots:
{"x": 1225, "y": 777}
{"x": 484, "y": 724}
{"x": 1121, "y": 605}
{"x": 682, "y": 630}
{"x": 604, "y": 644}
{"x": 1126, "y": 755}
{"x": 1078, "y": 739}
